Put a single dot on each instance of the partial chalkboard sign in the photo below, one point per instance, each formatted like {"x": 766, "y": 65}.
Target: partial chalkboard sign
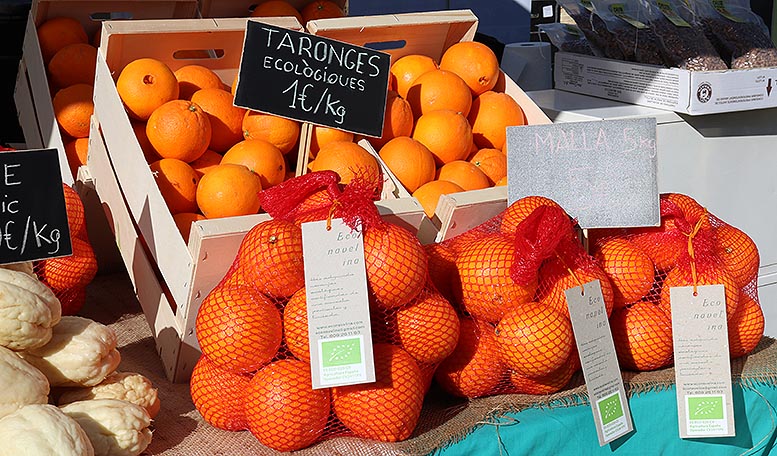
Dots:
{"x": 603, "y": 173}
{"x": 313, "y": 79}
{"x": 33, "y": 216}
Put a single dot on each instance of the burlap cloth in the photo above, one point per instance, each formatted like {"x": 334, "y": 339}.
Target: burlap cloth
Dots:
{"x": 179, "y": 429}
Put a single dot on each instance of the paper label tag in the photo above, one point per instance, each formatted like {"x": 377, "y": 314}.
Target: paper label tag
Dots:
{"x": 666, "y": 8}
{"x": 600, "y": 362}
{"x": 338, "y": 307}
{"x": 619, "y": 10}
{"x": 720, "y": 7}
{"x": 702, "y": 364}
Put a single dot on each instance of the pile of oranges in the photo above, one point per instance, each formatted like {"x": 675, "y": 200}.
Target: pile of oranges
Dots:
{"x": 317, "y": 9}
{"x": 444, "y": 127}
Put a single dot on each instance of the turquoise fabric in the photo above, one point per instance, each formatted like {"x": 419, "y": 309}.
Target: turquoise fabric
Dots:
{"x": 570, "y": 430}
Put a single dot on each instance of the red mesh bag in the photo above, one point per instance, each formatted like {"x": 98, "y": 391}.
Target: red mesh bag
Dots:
{"x": 690, "y": 247}
{"x": 254, "y": 322}
{"x": 506, "y": 278}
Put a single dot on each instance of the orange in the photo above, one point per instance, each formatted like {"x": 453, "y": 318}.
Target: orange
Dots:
{"x": 139, "y": 127}
{"x": 446, "y": 133}
{"x": 473, "y": 62}
{"x": 466, "y": 174}
{"x": 76, "y": 214}
{"x": 746, "y": 327}
{"x": 501, "y": 182}
{"x": 690, "y": 208}
{"x": 271, "y": 255}
{"x": 442, "y": 269}
{"x": 284, "y": 412}
{"x": 207, "y": 161}
{"x": 229, "y": 190}
{"x": 321, "y": 136}
{"x": 73, "y": 109}
{"x": 428, "y": 327}
{"x": 474, "y": 369}
{"x": 405, "y": 70}
{"x": 397, "y": 121}
{"x": 428, "y": 195}
{"x": 179, "y": 129}
{"x": 396, "y": 265}
{"x": 487, "y": 290}
{"x": 491, "y": 113}
{"x": 295, "y": 325}
{"x": 219, "y": 395}
{"x": 410, "y": 161}
{"x": 555, "y": 277}
{"x": 534, "y": 339}
{"x": 275, "y": 8}
{"x": 347, "y": 159}
{"x": 642, "y": 334}
{"x": 545, "y": 384}
{"x": 73, "y": 64}
{"x": 520, "y": 209}
{"x": 226, "y": 119}
{"x": 144, "y": 85}
{"x": 663, "y": 247}
{"x": 493, "y": 163}
{"x": 261, "y": 157}
{"x": 183, "y": 221}
{"x": 320, "y": 9}
{"x": 387, "y": 409}
{"x": 439, "y": 89}
{"x": 70, "y": 272}
{"x": 629, "y": 268}
{"x": 281, "y": 132}
{"x": 192, "y": 78}
{"x": 76, "y": 152}
{"x": 738, "y": 254}
{"x": 682, "y": 276}
{"x": 238, "y": 328}
{"x": 177, "y": 181}
{"x": 57, "y": 32}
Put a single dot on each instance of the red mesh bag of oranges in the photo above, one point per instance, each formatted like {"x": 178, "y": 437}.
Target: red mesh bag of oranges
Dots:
{"x": 690, "y": 247}
{"x": 252, "y": 328}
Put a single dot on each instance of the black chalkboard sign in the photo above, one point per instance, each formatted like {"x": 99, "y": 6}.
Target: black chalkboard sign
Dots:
{"x": 313, "y": 79}
{"x": 603, "y": 173}
{"x": 33, "y": 216}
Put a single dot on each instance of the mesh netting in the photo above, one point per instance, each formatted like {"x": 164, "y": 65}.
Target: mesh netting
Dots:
{"x": 68, "y": 276}
{"x": 481, "y": 314}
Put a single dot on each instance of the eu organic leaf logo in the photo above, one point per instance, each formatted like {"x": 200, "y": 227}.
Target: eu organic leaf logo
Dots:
{"x": 705, "y": 408}
{"x": 610, "y": 409}
{"x": 341, "y": 352}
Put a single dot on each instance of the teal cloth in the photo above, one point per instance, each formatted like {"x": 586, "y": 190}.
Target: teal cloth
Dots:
{"x": 570, "y": 430}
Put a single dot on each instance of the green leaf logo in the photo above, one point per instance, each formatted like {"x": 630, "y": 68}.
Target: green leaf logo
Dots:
{"x": 610, "y": 409}
{"x": 341, "y": 352}
{"x": 705, "y": 407}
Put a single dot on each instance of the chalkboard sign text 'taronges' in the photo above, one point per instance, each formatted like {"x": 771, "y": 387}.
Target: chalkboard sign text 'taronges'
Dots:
{"x": 313, "y": 79}
{"x": 33, "y": 216}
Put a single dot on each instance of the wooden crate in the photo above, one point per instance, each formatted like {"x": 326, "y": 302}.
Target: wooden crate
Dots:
{"x": 431, "y": 33}
{"x": 242, "y": 8}
{"x": 171, "y": 277}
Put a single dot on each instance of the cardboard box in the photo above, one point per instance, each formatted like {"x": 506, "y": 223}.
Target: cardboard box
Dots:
{"x": 242, "y": 8}
{"x": 431, "y": 33}
{"x": 171, "y": 277}
{"x": 688, "y": 92}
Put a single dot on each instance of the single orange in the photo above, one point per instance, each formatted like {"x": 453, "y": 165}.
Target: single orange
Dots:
{"x": 642, "y": 334}
{"x": 71, "y": 272}
{"x": 226, "y": 119}
{"x": 261, "y": 157}
{"x": 556, "y": 276}
{"x": 442, "y": 269}
{"x": 179, "y": 129}
{"x": 397, "y": 121}
{"x": 321, "y": 9}
{"x": 428, "y": 327}
{"x": 73, "y": 109}
{"x": 139, "y": 127}
{"x": 738, "y": 253}
{"x": 229, "y": 190}
{"x": 396, "y": 265}
{"x": 281, "y": 132}
{"x": 474, "y": 62}
{"x": 410, "y": 161}
{"x": 520, "y": 209}
{"x": 219, "y": 395}
{"x": 447, "y": 134}
{"x": 493, "y": 163}
{"x": 347, "y": 159}
{"x": 73, "y": 64}
{"x": 183, "y": 221}
{"x": 192, "y": 78}
{"x": 76, "y": 214}
{"x": 276, "y": 8}
{"x": 76, "y": 152}
{"x": 545, "y": 384}
{"x": 207, "y": 161}
{"x": 144, "y": 85}
{"x": 57, "y": 32}
{"x": 629, "y": 268}
{"x": 405, "y": 70}
{"x": 321, "y": 136}
{"x": 466, "y": 174}
{"x": 439, "y": 89}
{"x": 428, "y": 194}
{"x": 491, "y": 114}
{"x": 746, "y": 327}
{"x": 295, "y": 325}
{"x": 177, "y": 181}
{"x": 705, "y": 274}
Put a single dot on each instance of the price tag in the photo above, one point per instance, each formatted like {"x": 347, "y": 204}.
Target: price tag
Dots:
{"x": 702, "y": 364}
{"x": 313, "y": 79}
{"x": 600, "y": 362}
{"x": 33, "y": 215}
{"x": 338, "y": 307}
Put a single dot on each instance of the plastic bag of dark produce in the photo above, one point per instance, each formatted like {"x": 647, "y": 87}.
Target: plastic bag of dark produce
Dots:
{"x": 593, "y": 28}
{"x": 568, "y": 38}
{"x": 627, "y": 21}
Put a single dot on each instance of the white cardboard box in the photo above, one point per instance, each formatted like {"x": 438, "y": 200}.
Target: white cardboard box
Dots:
{"x": 688, "y": 92}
